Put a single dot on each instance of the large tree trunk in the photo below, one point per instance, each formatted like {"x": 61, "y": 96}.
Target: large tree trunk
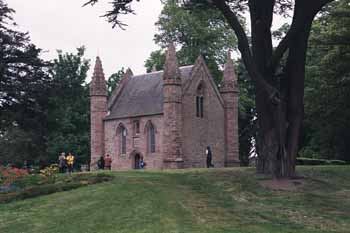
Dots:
{"x": 271, "y": 113}
{"x": 295, "y": 76}
{"x": 279, "y": 102}
{"x": 280, "y": 121}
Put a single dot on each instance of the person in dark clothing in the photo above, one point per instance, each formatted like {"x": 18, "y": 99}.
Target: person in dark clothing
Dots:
{"x": 108, "y": 162}
{"x": 209, "y": 157}
{"x": 101, "y": 163}
{"x": 142, "y": 164}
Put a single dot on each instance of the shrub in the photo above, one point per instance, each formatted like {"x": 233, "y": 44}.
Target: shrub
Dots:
{"x": 309, "y": 161}
{"x": 50, "y": 173}
{"x": 28, "y": 181}
{"x": 307, "y": 152}
{"x": 337, "y": 162}
{"x": 8, "y": 176}
{"x": 63, "y": 183}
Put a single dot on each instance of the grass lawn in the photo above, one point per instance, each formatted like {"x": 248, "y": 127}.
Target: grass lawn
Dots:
{"x": 216, "y": 200}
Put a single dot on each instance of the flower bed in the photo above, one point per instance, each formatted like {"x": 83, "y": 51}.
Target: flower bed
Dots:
{"x": 9, "y": 176}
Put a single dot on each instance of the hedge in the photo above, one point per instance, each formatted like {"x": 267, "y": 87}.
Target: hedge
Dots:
{"x": 45, "y": 189}
{"x": 309, "y": 161}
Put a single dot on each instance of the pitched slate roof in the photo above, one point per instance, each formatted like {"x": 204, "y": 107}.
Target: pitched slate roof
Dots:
{"x": 142, "y": 95}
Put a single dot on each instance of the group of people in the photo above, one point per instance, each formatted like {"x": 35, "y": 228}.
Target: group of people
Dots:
{"x": 66, "y": 163}
{"x": 104, "y": 163}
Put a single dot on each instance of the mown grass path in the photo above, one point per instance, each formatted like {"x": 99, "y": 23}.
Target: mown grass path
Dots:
{"x": 217, "y": 200}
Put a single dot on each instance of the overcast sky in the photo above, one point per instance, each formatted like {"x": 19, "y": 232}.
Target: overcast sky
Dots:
{"x": 66, "y": 25}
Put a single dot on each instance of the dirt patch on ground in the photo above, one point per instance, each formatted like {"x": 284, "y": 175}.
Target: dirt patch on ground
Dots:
{"x": 283, "y": 184}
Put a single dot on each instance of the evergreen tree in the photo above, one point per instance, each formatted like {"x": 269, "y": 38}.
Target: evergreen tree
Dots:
{"x": 24, "y": 86}
{"x": 327, "y": 93}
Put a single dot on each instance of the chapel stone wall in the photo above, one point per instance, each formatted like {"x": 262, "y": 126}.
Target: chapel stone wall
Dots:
{"x": 135, "y": 143}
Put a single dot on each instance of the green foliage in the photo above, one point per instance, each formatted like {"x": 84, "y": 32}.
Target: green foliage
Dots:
{"x": 196, "y": 32}
{"x": 114, "y": 79}
{"x": 246, "y": 115}
{"x": 307, "y": 152}
{"x": 327, "y": 92}
{"x": 156, "y": 60}
{"x": 69, "y": 107}
{"x": 310, "y": 161}
{"x": 50, "y": 173}
{"x": 38, "y": 185}
{"x": 24, "y": 87}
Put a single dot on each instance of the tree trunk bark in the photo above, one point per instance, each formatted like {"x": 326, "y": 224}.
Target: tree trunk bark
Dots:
{"x": 271, "y": 114}
{"x": 279, "y": 102}
{"x": 272, "y": 137}
{"x": 295, "y": 96}
{"x": 279, "y": 124}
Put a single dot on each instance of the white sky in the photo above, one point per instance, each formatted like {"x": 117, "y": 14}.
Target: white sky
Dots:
{"x": 66, "y": 25}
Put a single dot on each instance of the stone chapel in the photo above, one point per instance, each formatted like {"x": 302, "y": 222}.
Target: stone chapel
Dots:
{"x": 167, "y": 118}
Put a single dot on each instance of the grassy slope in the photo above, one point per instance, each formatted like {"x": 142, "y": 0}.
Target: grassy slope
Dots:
{"x": 227, "y": 200}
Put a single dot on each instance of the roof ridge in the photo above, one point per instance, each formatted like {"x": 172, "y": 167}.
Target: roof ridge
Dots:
{"x": 161, "y": 71}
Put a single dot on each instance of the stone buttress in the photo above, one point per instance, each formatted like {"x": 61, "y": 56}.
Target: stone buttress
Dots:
{"x": 172, "y": 109}
{"x": 98, "y": 110}
{"x": 229, "y": 93}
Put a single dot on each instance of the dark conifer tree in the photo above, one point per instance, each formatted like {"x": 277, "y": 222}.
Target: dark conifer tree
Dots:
{"x": 24, "y": 87}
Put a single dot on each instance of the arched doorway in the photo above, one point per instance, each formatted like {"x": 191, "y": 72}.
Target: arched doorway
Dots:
{"x": 137, "y": 159}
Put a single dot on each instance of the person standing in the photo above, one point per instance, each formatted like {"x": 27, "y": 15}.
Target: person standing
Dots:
{"x": 142, "y": 163}
{"x": 101, "y": 163}
{"x": 209, "y": 157}
{"x": 62, "y": 162}
{"x": 70, "y": 162}
{"x": 108, "y": 162}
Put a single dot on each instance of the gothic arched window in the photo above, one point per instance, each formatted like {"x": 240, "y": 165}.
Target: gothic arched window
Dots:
{"x": 151, "y": 137}
{"x": 122, "y": 138}
{"x": 200, "y": 101}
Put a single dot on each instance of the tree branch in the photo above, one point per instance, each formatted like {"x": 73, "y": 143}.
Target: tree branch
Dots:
{"x": 295, "y": 28}
{"x": 261, "y": 15}
{"x": 244, "y": 48}
{"x": 119, "y": 7}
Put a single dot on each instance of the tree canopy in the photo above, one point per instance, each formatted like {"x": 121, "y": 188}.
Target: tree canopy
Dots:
{"x": 69, "y": 109}
{"x": 327, "y": 115}
{"x": 196, "y": 33}
{"x": 24, "y": 85}
{"x": 114, "y": 80}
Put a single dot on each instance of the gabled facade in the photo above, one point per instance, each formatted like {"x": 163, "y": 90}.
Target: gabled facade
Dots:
{"x": 168, "y": 118}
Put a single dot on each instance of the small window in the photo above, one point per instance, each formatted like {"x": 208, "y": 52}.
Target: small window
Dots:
{"x": 201, "y": 106}
{"x": 200, "y": 102}
{"x": 151, "y": 139}
{"x": 123, "y": 140}
{"x": 136, "y": 127}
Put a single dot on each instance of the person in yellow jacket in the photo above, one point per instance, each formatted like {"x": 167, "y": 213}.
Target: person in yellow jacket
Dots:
{"x": 70, "y": 162}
